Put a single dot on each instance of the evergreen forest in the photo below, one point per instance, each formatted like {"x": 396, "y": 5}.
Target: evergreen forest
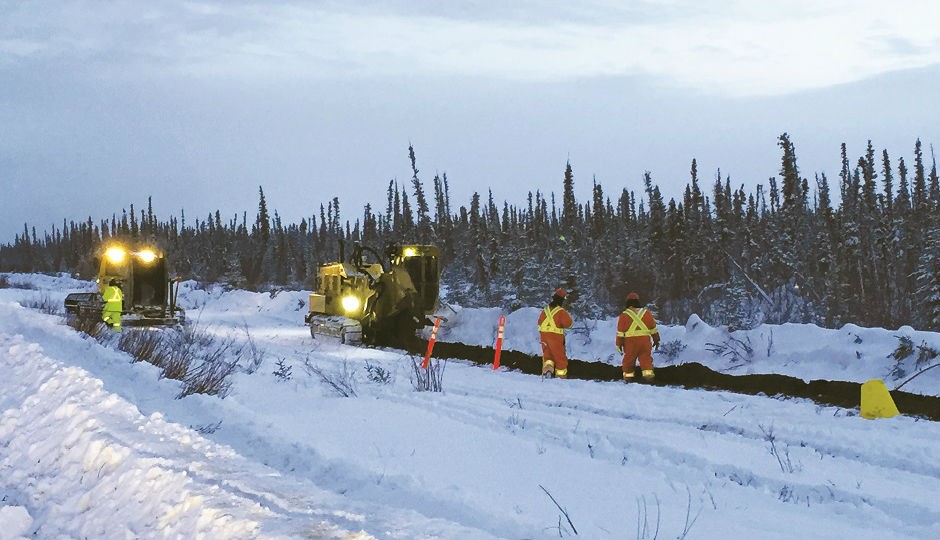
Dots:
{"x": 862, "y": 248}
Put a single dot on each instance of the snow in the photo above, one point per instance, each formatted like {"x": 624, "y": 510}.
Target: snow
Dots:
{"x": 804, "y": 351}
{"x": 93, "y": 445}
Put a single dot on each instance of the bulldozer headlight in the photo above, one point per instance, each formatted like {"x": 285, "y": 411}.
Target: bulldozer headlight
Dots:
{"x": 115, "y": 254}
{"x": 410, "y": 252}
{"x": 351, "y": 303}
{"x": 147, "y": 256}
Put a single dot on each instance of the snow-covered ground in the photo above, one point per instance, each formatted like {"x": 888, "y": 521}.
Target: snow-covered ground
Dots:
{"x": 92, "y": 445}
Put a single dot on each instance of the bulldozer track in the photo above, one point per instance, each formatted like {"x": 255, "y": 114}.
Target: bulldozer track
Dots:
{"x": 694, "y": 375}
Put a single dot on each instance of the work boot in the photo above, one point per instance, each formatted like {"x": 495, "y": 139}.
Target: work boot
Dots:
{"x": 628, "y": 377}
{"x": 548, "y": 369}
{"x": 561, "y": 373}
{"x": 648, "y": 375}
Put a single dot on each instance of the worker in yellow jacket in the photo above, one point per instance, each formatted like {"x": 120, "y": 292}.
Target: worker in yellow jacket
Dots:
{"x": 637, "y": 336}
{"x": 552, "y": 322}
{"x": 113, "y": 304}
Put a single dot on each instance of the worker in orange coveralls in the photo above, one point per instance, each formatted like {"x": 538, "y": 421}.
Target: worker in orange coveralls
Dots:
{"x": 635, "y": 327}
{"x": 552, "y": 323}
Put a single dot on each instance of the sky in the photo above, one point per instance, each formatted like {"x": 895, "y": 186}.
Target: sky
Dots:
{"x": 197, "y": 104}
{"x": 95, "y": 445}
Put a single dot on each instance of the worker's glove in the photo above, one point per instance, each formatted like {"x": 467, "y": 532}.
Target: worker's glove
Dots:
{"x": 656, "y": 346}
{"x": 620, "y": 350}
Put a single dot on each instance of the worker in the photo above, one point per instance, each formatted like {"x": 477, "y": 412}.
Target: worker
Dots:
{"x": 113, "y": 304}
{"x": 552, "y": 323}
{"x": 635, "y": 327}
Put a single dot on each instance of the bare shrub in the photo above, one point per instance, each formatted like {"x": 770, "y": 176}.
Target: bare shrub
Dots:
{"x": 430, "y": 379}
{"x": 562, "y": 529}
{"x": 783, "y": 457}
{"x": 904, "y": 349}
{"x": 201, "y": 361}
{"x": 215, "y": 361}
{"x": 283, "y": 371}
{"x": 740, "y": 352}
{"x": 341, "y": 381}
{"x": 143, "y": 346}
{"x": 176, "y": 363}
{"x": 378, "y": 374}
{"x": 925, "y": 354}
{"x": 672, "y": 349}
{"x": 213, "y": 376}
{"x": 643, "y": 531}
{"x": 689, "y": 519}
{"x": 89, "y": 324}
{"x": 180, "y": 351}
{"x": 208, "y": 429}
{"x": 196, "y": 336}
{"x": 251, "y": 353}
{"x": 44, "y": 304}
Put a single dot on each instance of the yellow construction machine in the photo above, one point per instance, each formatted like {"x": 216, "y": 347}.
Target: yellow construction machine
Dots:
{"x": 149, "y": 291}
{"x": 374, "y": 299}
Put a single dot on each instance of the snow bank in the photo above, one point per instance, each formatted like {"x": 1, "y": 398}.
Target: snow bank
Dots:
{"x": 90, "y": 464}
{"x": 805, "y": 351}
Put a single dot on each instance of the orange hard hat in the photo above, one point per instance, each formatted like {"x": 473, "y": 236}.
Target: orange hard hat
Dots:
{"x": 561, "y": 293}
{"x": 633, "y": 296}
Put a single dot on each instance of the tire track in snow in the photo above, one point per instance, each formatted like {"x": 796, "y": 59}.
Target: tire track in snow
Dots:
{"x": 550, "y": 421}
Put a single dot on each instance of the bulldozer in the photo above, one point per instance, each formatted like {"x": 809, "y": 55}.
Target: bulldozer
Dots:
{"x": 149, "y": 292}
{"x": 376, "y": 299}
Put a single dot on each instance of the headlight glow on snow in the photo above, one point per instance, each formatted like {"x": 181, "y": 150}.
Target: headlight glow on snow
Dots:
{"x": 147, "y": 256}
{"x": 115, "y": 254}
{"x": 410, "y": 252}
{"x": 351, "y": 303}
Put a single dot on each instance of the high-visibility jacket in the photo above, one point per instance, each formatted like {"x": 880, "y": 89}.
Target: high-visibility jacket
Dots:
{"x": 113, "y": 298}
{"x": 634, "y": 331}
{"x": 552, "y": 323}
{"x": 554, "y": 320}
{"x": 636, "y": 324}
{"x": 113, "y": 303}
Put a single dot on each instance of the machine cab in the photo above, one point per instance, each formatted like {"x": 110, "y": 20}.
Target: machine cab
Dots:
{"x": 422, "y": 262}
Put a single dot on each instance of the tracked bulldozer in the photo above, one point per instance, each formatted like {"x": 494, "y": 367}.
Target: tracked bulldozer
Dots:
{"x": 376, "y": 299}
{"x": 149, "y": 292}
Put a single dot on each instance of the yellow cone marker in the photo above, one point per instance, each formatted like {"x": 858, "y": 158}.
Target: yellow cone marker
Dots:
{"x": 876, "y": 401}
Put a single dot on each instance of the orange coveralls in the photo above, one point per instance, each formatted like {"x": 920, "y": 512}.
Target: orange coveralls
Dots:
{"x": 552, "y": 324}
{"x": 635, "y": 327}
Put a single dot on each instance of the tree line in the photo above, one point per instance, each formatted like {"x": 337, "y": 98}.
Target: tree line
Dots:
{"x": 782, "y": 252}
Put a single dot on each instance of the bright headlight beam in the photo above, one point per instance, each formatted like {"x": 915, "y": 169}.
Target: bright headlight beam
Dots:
{"x": 147, "y": 256}
{"x": 350, "y": 303}
{"x": 410, "y": 252}
{"x": 115, "y": 254}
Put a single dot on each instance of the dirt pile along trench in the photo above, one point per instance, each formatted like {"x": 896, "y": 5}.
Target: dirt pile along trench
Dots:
{"x": 695, "y": 375}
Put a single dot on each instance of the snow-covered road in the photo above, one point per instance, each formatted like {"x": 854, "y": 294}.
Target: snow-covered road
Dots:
{"x": 94, "y": 445}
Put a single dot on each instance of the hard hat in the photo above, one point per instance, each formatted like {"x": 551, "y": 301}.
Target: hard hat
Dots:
{"x": 561, "y": 293}
{"x": 115, "y": 281}
{"x": 633, "y": 296}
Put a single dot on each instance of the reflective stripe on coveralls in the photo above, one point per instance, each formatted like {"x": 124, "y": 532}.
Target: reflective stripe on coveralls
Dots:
{"x": 552, "y": 336}
{"x": 548, "y": 325}
{"x": 633, "y": 341}
{"x": 637, "y": 327}
{"x": 113, "y": 305}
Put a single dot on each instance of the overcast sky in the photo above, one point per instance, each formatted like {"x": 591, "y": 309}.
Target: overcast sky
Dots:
{"x": 196, "y": 104}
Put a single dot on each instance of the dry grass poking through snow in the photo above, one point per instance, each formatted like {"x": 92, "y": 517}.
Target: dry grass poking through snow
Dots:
{"x": 201, "y": 361}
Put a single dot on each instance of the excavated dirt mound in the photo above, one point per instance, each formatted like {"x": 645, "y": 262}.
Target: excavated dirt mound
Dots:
{"x": 694, "y": 375}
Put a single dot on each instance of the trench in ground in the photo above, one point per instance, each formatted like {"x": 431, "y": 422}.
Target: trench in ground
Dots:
{"x": 695, "y": 375}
